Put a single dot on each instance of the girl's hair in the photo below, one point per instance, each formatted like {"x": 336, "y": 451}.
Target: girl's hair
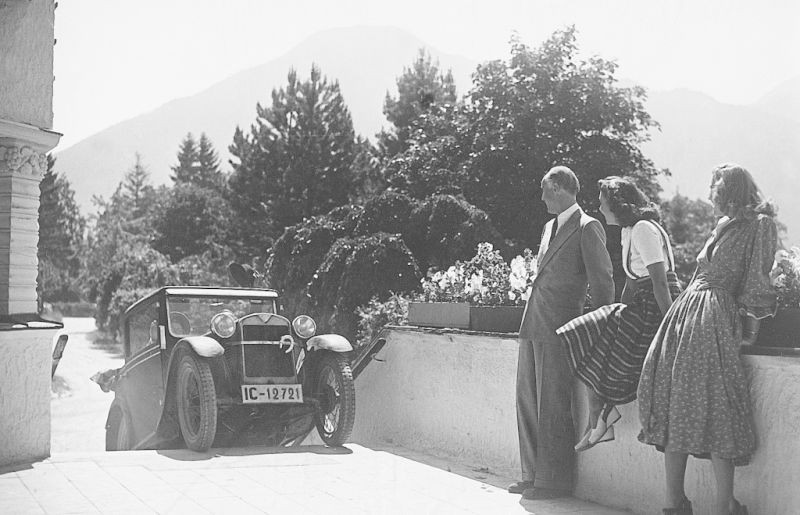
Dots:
{"x": 628, "y": 203}
{"x": 737, "y": 194}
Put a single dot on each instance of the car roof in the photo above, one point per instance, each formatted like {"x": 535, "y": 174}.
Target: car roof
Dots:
{"x": 207, "y": 291}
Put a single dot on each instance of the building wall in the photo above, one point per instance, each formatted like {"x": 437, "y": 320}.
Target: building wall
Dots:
{"x": 453, "y": 394}
{"x": 25, "y": 365}
{"x": 26, "y": 61}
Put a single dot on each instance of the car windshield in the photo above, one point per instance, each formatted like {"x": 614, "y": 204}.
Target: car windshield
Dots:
{"x": 191, "y": 316}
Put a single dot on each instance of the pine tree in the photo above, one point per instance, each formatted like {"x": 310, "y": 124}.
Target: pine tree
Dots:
{"x": 187, "y": 160}
{"x": 209, "y": 175}
{"x": 295, "y": 163}
{"x": 419, "y": 88}
{"x": 61, "y": 238}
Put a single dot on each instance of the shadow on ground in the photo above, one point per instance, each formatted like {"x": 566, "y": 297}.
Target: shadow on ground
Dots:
{"x": 187, "y": 455}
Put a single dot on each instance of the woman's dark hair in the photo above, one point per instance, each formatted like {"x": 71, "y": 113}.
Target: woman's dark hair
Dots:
{"x": 737, "y": 194}
{"x": 628, "y": 203}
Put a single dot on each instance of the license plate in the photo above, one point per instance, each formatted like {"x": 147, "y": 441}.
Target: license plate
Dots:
{"x": 272, "y": 393}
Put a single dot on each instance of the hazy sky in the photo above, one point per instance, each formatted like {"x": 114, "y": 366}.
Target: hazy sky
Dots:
{"x": 116, "y": 59}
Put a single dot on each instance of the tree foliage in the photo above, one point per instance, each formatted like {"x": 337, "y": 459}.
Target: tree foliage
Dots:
{"x": 121, "y": 265}
{"x": 195, "y": 213}
{"x": 541, "y": 108}
{"x": 295, "y": 163}
{"x": 61, "y": 238}
{"x": 689, "y": 223}
{"x": 420, "y": 88}
{"x": 198, "y": 164}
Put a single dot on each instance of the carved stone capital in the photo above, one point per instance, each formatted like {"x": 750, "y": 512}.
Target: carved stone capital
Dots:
{"x": 22, "y": 161}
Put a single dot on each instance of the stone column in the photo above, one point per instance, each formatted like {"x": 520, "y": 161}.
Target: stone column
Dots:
{"x": 23, "y": 162}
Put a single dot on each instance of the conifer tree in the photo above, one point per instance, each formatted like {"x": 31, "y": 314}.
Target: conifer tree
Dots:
{"x": 187, "y": 160}
{"x": 295, "y": 163}
{"x": 420, "y": 87}
{"x": 61, "y": 238}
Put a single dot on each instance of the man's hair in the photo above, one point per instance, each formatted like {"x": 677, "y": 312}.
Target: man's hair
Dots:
{"x": 565, "y": 178}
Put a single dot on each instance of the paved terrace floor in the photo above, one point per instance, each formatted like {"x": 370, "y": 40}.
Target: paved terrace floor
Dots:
{"x": 299, "y": 480}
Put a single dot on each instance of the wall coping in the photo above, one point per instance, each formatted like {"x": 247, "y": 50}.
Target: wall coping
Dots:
{"x": 44, "y": 139}
{"x": 746, "y": 350}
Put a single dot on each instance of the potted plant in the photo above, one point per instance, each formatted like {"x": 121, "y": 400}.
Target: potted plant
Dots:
{"x": 783, "y": 330}
{"x": 482, "y": 294}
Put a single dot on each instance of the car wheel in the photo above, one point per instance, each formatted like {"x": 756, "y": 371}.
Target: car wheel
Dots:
{"x": 197, "y": 402}
{"x": 118, "y": 431}
{"x": 336, "y": 392}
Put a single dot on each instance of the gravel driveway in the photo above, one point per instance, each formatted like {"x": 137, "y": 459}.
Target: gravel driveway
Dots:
{"x": 78, "y": 406}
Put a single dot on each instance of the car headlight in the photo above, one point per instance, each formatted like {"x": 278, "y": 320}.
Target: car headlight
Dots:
{"x": 304, "y": 326}
{"x": 223, "y": 324}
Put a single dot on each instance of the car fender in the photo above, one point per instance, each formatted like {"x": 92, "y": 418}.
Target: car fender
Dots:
{"x": 204, "y": 346}
{"x": 331, "y": 342}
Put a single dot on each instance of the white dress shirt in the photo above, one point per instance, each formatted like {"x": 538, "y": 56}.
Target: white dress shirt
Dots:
{"x": 548, "y": 228}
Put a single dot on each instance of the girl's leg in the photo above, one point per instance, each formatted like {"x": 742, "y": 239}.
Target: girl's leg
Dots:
{"x": 675, "y": 466}
{"x": 595, "y": 406}
{"x": 723, "y": 472}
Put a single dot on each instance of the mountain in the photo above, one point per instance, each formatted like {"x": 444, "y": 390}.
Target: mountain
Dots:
{"x": 698, "y": 132}
{"x": 783, "y": 100}
{"x": 365, "y": 60}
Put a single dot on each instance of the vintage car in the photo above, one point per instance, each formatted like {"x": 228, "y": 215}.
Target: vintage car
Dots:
{"x": 220, "y": 366}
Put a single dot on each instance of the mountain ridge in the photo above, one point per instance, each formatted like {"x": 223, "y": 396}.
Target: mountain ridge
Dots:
{"x": 697, "y": 132}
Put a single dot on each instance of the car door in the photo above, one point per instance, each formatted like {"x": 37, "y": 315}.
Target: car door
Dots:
{"x": 142, "y": 384}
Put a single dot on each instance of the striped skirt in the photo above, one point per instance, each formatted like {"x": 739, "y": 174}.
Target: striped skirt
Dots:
{"x": 607, "y": 346}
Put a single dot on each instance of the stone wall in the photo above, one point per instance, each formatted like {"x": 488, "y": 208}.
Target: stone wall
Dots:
{"x": 26, "y": 66}
{"x": 25, "y": 365}
{"x": 452, "y": 393}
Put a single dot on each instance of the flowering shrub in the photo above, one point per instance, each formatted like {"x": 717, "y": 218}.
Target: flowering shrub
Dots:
{"x": 785, "y": 277}
{"x": 484, "y": 280}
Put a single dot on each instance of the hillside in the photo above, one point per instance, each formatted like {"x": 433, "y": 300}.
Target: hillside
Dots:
{"x": 365, "y": 60}
{"x": 697, "y": 133}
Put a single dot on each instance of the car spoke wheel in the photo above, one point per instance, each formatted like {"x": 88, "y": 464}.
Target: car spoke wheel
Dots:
{"x": 336, "y": 392}
{"x": 197, "y": 402}
{"x": 119, "y": 434}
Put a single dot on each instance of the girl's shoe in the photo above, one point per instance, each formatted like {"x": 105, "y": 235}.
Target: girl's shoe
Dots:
{"x": 683, "y": 508}
{"x": 604, "y": 424}
{"x": 584, "y": 444}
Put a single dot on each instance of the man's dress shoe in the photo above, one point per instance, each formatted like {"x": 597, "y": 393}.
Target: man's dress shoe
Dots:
{"x": 538, "y": 492}
{"x": 519, "y": 487}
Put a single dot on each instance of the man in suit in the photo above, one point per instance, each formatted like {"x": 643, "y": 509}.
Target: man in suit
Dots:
{"x": 572, "y": 255}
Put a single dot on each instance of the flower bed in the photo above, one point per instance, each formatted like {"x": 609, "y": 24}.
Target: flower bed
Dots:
{"x": 482, "y": 294}
{"x": 783, "y": 330}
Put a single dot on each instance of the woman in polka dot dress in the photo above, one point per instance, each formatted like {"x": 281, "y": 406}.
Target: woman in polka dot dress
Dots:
{"x": 693, "y": 396}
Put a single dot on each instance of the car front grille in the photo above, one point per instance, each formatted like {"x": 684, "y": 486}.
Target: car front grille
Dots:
{"x": 271, "y": 333}
{"x": 267, "y": 360}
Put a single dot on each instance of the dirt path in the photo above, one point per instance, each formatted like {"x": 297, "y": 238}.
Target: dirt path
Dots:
{"x": 78, "y": 406}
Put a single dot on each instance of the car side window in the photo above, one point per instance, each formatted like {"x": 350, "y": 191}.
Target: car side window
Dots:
{"x": 143, "y": 328}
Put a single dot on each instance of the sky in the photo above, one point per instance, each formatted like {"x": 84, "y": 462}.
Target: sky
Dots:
{"x": 117, "y": 59}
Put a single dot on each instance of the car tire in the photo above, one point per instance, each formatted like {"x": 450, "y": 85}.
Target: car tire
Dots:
{"x": 335, "y": 389}
{"x": 119, "y": 434}
{"x": 196, "y": 400}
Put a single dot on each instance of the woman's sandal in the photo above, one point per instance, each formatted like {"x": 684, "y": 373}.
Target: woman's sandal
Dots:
{"x": 683, "y": 508}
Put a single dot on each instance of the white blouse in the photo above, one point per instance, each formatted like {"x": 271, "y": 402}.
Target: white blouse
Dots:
{"x": 645, "y": 245}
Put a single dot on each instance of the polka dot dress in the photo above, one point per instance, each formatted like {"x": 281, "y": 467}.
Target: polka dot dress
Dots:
{"x": 693, "y": 395}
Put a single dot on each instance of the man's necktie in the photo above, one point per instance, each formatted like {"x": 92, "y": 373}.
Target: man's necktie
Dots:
{"x": 553, "y": 231}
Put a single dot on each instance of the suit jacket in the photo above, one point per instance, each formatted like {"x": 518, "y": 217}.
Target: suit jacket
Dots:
{"x": 576, "y": 258}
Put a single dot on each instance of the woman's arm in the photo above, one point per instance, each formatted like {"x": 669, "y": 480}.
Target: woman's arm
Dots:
{"x": 658, "y": 275}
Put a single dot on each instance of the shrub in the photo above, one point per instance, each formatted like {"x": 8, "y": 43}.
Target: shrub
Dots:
{"x": 376, "y": 314}
{"x": 785, "y": 277}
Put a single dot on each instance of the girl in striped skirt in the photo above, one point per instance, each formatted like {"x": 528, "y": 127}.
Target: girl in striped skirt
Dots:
{"x": 608, "y": 345}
